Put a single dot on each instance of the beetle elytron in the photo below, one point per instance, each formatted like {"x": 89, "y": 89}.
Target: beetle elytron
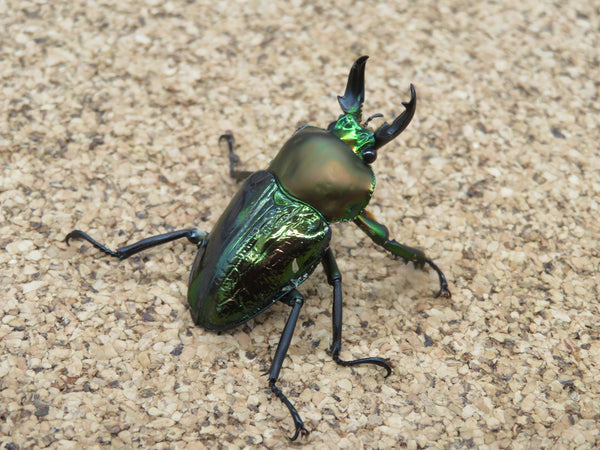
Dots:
{"x": 275, "y": 230}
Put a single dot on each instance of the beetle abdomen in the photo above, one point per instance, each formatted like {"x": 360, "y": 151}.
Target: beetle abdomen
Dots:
{"x": 265, "y": 243}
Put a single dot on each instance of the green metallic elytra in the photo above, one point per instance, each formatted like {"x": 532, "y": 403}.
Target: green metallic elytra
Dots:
{"x": 264, "y": 245}
{"x": 275, "y": 231}
{"x": 323, "y": 171}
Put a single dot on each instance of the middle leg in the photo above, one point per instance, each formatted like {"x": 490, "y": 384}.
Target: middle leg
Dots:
{"x": 334, "y": 278}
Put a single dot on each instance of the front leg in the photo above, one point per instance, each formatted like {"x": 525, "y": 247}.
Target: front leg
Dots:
{"x": 380, "y": 235}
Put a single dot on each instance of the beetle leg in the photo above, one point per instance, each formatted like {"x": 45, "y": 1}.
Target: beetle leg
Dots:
{"x": 334, "y": 278}
{"x": 380, "y": 235}
{"x": 237, "y": 175}
{"x": 295, "y": 300}
{"x": 194, "y": 235}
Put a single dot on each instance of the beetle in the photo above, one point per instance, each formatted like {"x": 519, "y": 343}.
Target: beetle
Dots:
{"x": 276, "y": 229}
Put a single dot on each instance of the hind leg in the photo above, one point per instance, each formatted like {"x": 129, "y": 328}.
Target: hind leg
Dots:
{"x": 237, "y": 175}
{"x": 194, "y": 235}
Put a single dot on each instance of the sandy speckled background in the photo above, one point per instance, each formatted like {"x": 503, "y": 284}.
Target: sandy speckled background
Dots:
{"x": 110, "y": 113}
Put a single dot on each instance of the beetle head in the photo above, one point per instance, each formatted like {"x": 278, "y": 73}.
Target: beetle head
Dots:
{"x": 348, "y": 128}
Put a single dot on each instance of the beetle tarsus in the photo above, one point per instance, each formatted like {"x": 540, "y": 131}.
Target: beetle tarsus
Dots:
{"x": 300, "y": 429}
{"x": 444, "y": 290}
{"x": 78, "y": 234}
{"x": 381, "y": 362}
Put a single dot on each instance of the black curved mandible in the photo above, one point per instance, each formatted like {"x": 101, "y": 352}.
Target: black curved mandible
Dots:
{"x": 385, "y": 133}
{"x": 352, "y": 101}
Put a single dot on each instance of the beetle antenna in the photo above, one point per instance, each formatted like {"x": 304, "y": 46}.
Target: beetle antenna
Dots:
{"x": 352, "y": 101}
{"x": 385, "y": 133}
{"x": 374, "y": 116}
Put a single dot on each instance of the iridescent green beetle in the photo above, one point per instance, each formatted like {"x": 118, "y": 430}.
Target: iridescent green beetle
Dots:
{"x": 276, "y": 231}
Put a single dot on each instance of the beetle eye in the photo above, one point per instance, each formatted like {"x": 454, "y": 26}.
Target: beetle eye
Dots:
{"x": 369, "y": 156}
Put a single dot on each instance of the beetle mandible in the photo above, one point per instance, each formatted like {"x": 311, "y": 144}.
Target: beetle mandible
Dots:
{"x": 276, "y": 231}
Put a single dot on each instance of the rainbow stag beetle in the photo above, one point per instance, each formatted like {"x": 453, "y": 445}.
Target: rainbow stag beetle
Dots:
{"x": 276, "y": 231}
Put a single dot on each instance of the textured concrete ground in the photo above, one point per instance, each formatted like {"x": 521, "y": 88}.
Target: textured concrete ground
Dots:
{"x": 110, "y": 116}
